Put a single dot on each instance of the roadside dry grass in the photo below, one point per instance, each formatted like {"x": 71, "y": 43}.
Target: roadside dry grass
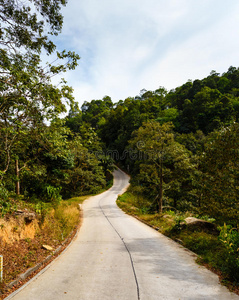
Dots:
{"x": 54, "y": 226}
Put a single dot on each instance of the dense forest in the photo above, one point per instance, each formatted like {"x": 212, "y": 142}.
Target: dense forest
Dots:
{"x": 40, "y": 158}
{"x": 180, "y": 146}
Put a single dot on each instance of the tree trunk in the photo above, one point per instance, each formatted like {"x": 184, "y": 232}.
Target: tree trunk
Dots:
{"x": 161, "y": 193}
{"x": 160, "y": 202}
{"x": 17, "y": 179}
{"x": 175, "y": 202}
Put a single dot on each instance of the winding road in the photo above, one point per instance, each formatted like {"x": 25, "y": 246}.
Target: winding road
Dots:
{"x": 117, "y": 257}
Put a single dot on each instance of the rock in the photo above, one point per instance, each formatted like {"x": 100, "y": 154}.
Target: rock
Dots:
{"x": 28, "y": 216}
{"x": 194, "y": 223}
{"x": 179, "y": 241}
{"x": 190, "y": 220}
{"x": 46, "y": 247}
{"x": 167, "y": 217}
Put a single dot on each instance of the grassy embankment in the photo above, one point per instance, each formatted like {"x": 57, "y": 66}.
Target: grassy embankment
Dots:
{"x": 21, "y": 241}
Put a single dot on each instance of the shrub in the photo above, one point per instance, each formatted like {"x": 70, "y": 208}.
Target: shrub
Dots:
{"x": 68, "y": 218}
{"x": 230, "y": 238}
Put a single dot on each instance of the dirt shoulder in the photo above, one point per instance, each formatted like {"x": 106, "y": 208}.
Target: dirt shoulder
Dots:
{"x": 27, "y": 259}
{"x": 28, "y": 247}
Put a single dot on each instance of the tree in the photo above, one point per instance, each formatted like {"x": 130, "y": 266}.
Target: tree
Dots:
{"x": 58, "y": 163}
{"x": 208, "y": 110}
{"x": 87, "y": 175}
{"x": 218, "y": 183}
{"x": 23, "y": 23}
{"x": 25, "y": 27}
{"x": 162, "y": 160}
{"x": 96, "y": 111}
{"x": 28, "y": 98}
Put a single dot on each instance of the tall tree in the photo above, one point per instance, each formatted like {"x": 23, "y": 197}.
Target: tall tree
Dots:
{"x": 28, "y": 97}
{"x": 162, "y": 160}
{"x": 219, "y": 178}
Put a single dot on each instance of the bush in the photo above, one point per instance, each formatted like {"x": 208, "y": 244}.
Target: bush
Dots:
{"x": 230, "y": 238}
{"x": 53, "y": 194}
{"x": 3, "y": 192}
{"x": 5, "y": 207}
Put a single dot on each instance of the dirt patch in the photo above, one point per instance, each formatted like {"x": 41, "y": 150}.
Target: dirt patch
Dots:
{"x": 21, "y": 247}
{"x": 15, "y": 229}
{"x": 24, "y": 254}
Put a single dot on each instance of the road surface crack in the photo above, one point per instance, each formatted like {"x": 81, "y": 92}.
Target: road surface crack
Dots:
{"x": 127, "y": 249}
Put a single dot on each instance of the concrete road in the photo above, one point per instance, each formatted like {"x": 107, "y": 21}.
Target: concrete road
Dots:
{"x": 117, "y": 257}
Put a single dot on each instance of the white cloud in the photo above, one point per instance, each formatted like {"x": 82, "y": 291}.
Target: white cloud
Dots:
{"x": 128, "y": 45}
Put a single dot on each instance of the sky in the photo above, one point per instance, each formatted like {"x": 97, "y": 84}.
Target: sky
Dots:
{"x": 129, "y": 45}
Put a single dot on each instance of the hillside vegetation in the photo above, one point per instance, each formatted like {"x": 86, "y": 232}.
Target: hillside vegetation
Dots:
{"x": 181, "y": 147}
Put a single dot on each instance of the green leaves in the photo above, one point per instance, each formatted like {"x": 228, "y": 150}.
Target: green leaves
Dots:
{"x": 219, "y": 180}
{"x": 164, "y": 165}
{"x": 28, "y": 99}
{"x": 25, "y": 22}
{"x": 230, "y": 239}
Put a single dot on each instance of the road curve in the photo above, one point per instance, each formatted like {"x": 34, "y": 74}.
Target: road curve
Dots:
{"x": 117, "y": 257}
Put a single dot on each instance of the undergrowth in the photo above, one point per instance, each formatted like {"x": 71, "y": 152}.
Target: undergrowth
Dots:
{"x": 61, "y": 220}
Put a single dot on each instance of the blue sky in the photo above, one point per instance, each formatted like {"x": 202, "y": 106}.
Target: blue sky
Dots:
{"x": 129, "y": 45}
